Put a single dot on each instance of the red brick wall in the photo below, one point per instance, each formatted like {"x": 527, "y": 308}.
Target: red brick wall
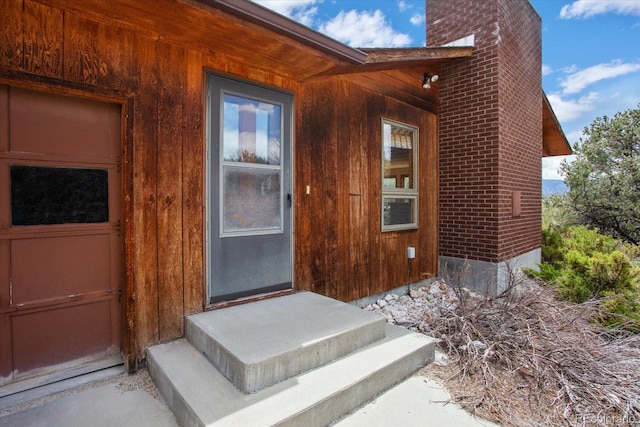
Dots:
{"x": 520, "y": 90}
{"x": 490, "y": 128}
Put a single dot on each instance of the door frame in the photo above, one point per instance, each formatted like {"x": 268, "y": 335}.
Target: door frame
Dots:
{"x": 210, "y": 175}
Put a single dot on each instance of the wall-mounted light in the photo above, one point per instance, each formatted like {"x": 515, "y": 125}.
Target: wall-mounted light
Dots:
{"x": 428, "y": 79}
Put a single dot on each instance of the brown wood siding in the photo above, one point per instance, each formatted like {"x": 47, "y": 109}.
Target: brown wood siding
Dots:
{"x": 315, "y": 138}
{"x": 94, "y": 49}
{"x": 340, "y": 250}
{"x": 169, "y": 189}
{"x": 144, "y": 66}
{"x": 192, "y": 194}
{"x": 11, "y": 37}
{"x": 42, "y": 35}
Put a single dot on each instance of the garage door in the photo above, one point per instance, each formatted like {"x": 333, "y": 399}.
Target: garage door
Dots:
{"x": 60, "y": 243}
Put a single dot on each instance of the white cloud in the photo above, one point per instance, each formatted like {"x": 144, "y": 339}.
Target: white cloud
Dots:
{"x": 364, "y": 29}
{"x": 546, "y": 70}
{"x": 418, "y": 19}
{"x": 570, "y": 69}
{"x": 579, "y": 80}
{"x": 403, "y": 5}
{"x": 588, "y": 8}
{"x": 567, "y": 110}
{"x": 551, "y": 166}
{"x": 574, "y": 136}
{"x": 302, "y": 11}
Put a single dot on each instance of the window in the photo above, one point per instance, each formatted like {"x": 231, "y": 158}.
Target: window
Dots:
{"x": 56, "y": 195}
{"x": 399, "y": 176}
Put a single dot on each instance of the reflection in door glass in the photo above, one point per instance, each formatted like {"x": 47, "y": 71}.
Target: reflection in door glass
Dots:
{"x": 252, "y": 131}
{"x": 57, "y": 195}
{"x": 251, "y": 200}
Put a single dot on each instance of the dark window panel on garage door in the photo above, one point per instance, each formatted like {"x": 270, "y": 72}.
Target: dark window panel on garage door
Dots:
{"x": 57, "y": 195}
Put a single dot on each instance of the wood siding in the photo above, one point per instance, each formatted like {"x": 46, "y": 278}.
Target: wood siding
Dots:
{"x": 77, "y": 48}
{"x": 340, "y": 250}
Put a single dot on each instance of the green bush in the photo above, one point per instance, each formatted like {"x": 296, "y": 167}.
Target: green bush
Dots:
{"x": 583, "y": 264}
{"x": 589, "y": 241}
{"x": 552, "y": 246}
{"x": 622, "y": 310}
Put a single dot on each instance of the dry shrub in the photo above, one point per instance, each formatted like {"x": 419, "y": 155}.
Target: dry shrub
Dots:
{"x": 527, "y": 358}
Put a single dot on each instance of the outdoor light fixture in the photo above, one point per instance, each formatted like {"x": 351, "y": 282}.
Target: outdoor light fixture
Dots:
{"x": 428, "y": 79}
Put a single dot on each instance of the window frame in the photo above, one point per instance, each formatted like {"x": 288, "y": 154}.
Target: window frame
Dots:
{"x": 387, "y": 193}
{"x": 225, "y": 165}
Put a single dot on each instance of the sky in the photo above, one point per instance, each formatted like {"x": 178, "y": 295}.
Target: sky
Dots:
{"x": 590, "y": 49}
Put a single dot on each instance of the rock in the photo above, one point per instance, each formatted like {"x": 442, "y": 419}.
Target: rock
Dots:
{"x": 441, "y": 358}
{"x": 418, "y": 309}
{"x": 398, "y": 312}
{"x": 405, "y": 299}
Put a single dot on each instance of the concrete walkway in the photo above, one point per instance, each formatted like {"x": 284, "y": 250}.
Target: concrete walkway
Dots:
{"x": 104, "y": 406}
{"x": 417, "y": 401}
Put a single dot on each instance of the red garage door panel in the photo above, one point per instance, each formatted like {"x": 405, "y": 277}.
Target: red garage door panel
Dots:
{"x": 59, "y": 267}
{"x": 66, "y": 126}
{"x": 44, "y": 338}
{"x": 61, "y": 261}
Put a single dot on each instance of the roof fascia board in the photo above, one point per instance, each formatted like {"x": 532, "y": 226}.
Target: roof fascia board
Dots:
{"x": 266, "y": 18}
{"x": 400, "y": 58}
{"x": 390, "y": 55}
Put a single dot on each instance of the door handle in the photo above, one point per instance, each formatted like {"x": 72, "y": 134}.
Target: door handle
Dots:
{"x": 289, "y": 199}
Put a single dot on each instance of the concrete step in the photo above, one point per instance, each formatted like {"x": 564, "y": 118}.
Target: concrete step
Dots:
{"x": 199, "y": 395}
{"x": 259, "y": 344}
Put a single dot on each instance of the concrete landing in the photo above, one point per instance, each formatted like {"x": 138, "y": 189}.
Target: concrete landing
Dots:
{"x": 199, "y": 395}
{"x": 295, "y": 360}
{"x": 258, "y": 344}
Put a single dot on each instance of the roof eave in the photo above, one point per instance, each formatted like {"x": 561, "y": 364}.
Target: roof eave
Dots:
{"x": 554, "y": 141}
{"x": 280, "y": 24}
{"x": 386, "y": 55}
{"x": 388, "y": 59}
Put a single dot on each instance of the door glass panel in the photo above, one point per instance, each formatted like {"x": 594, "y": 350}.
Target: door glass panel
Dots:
{"x": 252, "y": 131}
{"x": 251, "y": 200}
{"x": 57, "y": 195}
{"x": 250, "y": 167}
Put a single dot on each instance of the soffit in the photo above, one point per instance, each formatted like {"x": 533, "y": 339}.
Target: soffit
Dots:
{"x": 207, "y": 27}
{"x": 554, "y": 141}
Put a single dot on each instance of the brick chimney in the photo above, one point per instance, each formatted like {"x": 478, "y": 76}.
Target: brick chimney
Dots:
{"x": 490, "y": 126}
